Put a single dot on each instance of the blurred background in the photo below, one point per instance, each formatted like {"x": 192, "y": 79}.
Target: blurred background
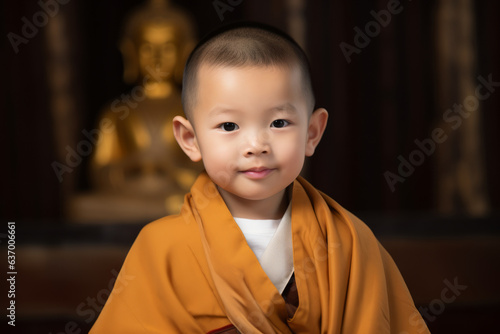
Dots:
{"x": 412, "y": 145}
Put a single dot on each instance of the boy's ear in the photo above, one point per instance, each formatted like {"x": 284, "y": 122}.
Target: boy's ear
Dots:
{"x": 317, "y": 125}
{"x": 185, "y": 136}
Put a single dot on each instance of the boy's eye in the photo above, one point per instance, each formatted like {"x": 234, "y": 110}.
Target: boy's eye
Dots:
{"x": 229, "y": 126}
{"x": 279, "y": 123}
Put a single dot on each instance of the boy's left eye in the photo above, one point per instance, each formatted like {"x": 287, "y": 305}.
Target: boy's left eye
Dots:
{"x": 279, "y": 123}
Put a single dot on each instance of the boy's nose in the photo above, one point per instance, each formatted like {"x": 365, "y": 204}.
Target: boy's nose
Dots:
{"x": 256, "y": 151}
{"x": 257, "y": 145}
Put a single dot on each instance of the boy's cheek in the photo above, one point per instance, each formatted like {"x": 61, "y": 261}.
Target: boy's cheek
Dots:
{"x": 291, "y": 144}
{"x": 211, "y": 142}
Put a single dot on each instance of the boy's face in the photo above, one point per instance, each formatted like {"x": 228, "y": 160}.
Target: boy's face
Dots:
{"x": 251, "y": 128}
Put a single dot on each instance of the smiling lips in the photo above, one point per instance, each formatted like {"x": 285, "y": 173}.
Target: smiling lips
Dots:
{"x": 258, "y": 172}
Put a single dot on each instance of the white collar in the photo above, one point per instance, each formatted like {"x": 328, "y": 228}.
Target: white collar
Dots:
{"x": 277, "y": 260}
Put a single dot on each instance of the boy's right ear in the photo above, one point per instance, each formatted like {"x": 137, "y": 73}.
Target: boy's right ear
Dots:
{"x": 186, "y": 138}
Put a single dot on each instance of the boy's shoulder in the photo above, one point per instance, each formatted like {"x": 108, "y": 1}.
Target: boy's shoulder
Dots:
{"x": 169, "y": 232}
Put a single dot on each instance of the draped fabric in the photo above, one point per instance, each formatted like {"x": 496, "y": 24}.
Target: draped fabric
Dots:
{"x": 194, "y": 272}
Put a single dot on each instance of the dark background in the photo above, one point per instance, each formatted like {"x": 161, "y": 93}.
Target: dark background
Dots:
{"x": 379, "y": 103}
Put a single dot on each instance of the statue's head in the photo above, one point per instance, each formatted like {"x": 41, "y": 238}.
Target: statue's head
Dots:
{"x": 157, "y": 37}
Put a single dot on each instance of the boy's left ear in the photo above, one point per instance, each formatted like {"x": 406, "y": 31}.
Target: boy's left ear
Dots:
{"x": 317, "y": 125}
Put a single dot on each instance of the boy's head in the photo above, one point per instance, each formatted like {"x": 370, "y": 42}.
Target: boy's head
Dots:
{"x": 244, "y": 45}
{"x": 248, "y": 98}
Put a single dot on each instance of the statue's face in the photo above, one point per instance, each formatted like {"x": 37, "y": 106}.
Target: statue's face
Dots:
{"x": 158, "y": 50}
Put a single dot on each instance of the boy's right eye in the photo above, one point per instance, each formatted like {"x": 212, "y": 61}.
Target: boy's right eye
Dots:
{"x": 229, "y": 126}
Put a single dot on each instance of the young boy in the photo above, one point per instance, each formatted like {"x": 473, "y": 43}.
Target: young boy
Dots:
{"x": 255, "y": 249}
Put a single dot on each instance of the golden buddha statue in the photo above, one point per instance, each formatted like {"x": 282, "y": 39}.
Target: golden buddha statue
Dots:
{"x": 137, "y": 155}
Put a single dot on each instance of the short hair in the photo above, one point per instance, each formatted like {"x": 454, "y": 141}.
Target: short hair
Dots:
{"x": 244, "y": 44}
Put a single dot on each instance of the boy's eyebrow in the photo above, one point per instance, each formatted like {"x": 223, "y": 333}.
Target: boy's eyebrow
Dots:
{"x": 284, "y": 107}
{"x": 220, "y": 110}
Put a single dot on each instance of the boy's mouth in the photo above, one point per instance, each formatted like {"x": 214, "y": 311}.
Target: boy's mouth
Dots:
{"x": 258, "y": 172}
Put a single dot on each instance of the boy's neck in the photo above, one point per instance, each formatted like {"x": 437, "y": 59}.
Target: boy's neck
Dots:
{"x": 269, "y": 208}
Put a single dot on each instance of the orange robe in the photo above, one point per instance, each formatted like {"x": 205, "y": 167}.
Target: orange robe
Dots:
{"x": 194, "y": 273}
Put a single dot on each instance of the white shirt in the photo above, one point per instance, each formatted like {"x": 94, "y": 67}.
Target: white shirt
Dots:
{"x": 271, "y": 242}
{"x": 258, "y": 233}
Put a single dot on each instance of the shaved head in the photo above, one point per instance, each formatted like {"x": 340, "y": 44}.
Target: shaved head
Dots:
{"x": 244, "y": 45}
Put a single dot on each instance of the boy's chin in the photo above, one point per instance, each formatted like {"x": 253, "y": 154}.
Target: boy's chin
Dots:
{"x": 249, "y": 194}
